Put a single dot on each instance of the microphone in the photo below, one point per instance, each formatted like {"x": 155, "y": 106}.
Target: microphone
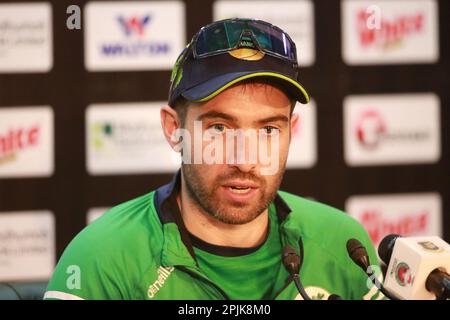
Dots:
{"x": 358, "y": 253}
{"x": 386, "y": 247}
{"x": 385, "y": 253}
{"x": 292, "y": 262}
{"x": 417, "y": 267}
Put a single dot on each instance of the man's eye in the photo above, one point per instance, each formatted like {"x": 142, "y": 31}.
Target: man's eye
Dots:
{"x": 217, "y": 128}
{"x": 270, "y": 130}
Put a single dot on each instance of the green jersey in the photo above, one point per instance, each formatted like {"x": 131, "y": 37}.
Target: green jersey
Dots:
{"x": 141, "y": 250}
{"x": 244, "y": 273}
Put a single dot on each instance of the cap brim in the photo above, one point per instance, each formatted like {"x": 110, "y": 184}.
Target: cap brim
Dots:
{"x": 211, "y": 88}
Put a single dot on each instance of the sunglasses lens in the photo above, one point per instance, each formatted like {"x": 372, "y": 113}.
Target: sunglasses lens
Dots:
{"x": 220, "y": 36}
{"x": 273, "y": 40}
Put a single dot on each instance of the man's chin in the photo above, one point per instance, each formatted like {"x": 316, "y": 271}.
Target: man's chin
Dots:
{"x": 234, "y": 220}
{"x": 237, "y": 213}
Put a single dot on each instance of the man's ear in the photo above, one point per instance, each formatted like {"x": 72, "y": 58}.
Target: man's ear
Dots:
{"x": 295, "y": 118}
{"x": 170, "y": 122}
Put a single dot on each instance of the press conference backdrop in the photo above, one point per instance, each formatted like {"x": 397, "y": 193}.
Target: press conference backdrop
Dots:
{"x": 79, "y": 112}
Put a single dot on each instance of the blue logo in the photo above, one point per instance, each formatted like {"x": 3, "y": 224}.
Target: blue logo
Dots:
{"x": 136, "y": 42}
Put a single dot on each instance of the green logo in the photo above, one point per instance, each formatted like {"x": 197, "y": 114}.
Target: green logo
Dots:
{"x": 177, "y": 71}
{"x": 100, "y": 131}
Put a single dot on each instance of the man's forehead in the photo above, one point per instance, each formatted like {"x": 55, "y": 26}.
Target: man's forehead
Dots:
{"x": 250, "y": 99}
{"x": 255, "y": 90}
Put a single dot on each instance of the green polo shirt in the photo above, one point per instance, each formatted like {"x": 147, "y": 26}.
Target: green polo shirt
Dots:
{"x": 141, "y": 250}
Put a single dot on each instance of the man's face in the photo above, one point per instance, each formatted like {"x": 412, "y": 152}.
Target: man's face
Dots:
{"x": 236, "y": 193}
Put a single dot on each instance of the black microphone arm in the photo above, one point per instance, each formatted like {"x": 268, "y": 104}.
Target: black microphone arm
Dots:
{"x": 359, "y": 256}
{"x": 292, "y": 261}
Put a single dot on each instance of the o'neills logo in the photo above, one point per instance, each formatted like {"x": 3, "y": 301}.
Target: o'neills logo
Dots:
{"x": 371, "y": 130}
{"x": 377, "y": 225}
{"x": 391, "y": 32}
{"x": 17, "y": 139}
{"x": 163, "y": 274}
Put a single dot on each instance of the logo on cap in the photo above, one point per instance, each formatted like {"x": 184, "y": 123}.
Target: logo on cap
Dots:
{"x": 247, "y": 54}
{"x": 247, "y": 49}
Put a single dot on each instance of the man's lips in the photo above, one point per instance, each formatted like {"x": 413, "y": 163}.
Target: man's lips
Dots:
{"x": 239, "y": 184}
{"x": 240, "y": 190}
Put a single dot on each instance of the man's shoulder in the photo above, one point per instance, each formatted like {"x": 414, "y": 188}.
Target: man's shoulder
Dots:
{"x": 112, "y": 254}
{"x": 318, "y": 220}
{"x": 128, "y": 228}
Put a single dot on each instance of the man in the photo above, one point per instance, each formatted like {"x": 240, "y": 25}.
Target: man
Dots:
{"x": 219, "y": 229}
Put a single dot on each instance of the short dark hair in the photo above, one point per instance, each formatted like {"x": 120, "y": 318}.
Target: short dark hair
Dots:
{"x": 181, "y": 104}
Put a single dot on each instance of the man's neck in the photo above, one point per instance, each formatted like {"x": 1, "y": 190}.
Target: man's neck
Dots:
{"x": 209, "y": 229}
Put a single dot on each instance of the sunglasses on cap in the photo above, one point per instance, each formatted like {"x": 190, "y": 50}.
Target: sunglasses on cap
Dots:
{"x": 232, "y": 50}
{"x": 226, "y": 35}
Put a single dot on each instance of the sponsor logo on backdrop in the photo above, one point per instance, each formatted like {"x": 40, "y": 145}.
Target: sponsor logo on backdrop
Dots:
{"x": 127, "y": 138}
{"x": 27, "y": 245}
{"x": 369, "y": 127}
{"x": 294, "y": 17}
{"x": 417, "y": 214}
{"x": 404, "y": 32}
{"x": 134, "y": 25}
{"x": 303, "y": 148}
{"x": 123, "y": 134}
{"x": 25, "y": 37}
{"x": 392, "y": 33}
{"x": 26, "y": 142}
{"x": 371, "y": 131}
{"x": 17, "y": 139}
{"x": 392, "y": 129}
{"x": 135, "y": 29}
{"x": 133, "y": 35}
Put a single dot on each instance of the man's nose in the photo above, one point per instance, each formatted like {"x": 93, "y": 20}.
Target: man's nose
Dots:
{"x": 244, "y": 156}
{"x": 244, "y": 167}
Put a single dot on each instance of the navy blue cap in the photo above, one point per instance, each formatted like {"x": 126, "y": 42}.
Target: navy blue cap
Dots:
{"x": 201, "y": 79}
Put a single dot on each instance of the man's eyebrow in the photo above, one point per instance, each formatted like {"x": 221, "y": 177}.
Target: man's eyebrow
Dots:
{"x": 274, "y": 119}
{"x": 216, "y": 114}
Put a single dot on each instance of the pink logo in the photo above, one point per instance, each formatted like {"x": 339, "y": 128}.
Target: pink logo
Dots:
{"x": 391, "y": 32}
{"x": 18, "y": 139}
{"x": 378, "y": 226}
{"x": 134, "y": 24}
{"x": 369, "y": 129}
